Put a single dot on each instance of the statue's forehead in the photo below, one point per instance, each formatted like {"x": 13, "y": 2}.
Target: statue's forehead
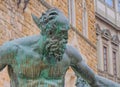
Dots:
{"x": 53, "y": 10}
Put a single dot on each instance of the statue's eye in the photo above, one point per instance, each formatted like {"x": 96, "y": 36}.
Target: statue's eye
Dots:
{"x": 43, "y": 14}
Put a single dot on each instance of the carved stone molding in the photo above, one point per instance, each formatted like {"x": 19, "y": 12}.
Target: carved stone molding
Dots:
{"x": 115, "y": 40}
{"x": 106, "y": 34}
{"x": 98, "y": 29}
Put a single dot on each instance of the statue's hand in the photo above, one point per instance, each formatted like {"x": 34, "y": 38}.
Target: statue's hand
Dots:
{"x": 97, "y": 84}
{"x": 104, "y": 82}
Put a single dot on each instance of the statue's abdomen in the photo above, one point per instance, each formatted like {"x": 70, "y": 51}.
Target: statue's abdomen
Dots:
{"x": 39, "y": 83}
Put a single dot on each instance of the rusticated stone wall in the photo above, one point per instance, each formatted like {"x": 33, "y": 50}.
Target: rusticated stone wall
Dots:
{"x": 15, "y": 24}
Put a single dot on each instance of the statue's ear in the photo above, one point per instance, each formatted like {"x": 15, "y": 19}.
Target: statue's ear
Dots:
{"x": 35, "y": 19}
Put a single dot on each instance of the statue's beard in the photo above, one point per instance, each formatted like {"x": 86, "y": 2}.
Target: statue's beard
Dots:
{"x": 54, "y": 49}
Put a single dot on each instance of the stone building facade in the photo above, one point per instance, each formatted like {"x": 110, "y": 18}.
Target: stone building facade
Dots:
{"x": 108, "y": 38}
{"x": 15, "y": 24}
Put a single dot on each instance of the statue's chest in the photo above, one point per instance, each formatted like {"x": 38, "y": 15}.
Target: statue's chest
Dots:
{"x": 54, "y": 71}
{"x": 30, "y": 65}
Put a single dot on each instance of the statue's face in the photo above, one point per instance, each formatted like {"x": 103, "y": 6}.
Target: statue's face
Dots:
{"x": 52, "y": 21}
{"x": 54, "y": 17}
{"x": 54, "y": 25}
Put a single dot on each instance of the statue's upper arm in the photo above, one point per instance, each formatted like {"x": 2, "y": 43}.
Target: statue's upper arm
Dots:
{"x": 6, "y": 53}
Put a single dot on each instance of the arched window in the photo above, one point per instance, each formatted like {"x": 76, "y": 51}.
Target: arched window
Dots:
{"x": 85, "y": 19}
{"x": 115, "y": 56}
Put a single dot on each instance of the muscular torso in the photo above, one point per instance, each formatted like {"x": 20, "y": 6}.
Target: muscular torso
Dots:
{"x": 30, "y": 69}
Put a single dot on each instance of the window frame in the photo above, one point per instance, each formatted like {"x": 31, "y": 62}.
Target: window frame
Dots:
{"x": 112, "y": 7}
{"x": 106, "y": 36}
{"x": 72, "y": 12}
{"x": 105, "y": 65}
{"x": 114, "y": 58}
{"x": 113, "y": 3}
{"x": 85, "y": 19}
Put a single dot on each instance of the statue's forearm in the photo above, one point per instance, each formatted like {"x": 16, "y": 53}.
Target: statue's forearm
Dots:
{"x": 85, "y": 72}
{"x": 81, "y": 67}
{"x": 6, "y": 54}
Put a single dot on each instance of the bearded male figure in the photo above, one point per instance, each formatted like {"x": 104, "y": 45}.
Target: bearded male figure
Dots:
{"x": 42, "y": 60}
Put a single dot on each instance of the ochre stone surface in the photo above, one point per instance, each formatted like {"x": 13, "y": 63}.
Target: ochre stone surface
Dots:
{"x": 15, "y": 24}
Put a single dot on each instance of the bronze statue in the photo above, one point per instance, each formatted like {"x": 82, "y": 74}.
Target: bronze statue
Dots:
{"x": 42, "y": 60}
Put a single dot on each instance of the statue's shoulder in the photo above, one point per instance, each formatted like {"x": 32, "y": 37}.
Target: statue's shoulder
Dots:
{"x": 71, "y": 49}
{"x": 73, "y": 53}
{"x": 24, "y": 41}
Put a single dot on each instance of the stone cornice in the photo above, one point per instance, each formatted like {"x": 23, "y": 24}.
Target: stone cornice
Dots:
{"x": 107, "y": 21}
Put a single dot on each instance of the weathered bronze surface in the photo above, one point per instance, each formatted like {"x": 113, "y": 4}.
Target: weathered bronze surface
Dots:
{"x": 42, "y": 60}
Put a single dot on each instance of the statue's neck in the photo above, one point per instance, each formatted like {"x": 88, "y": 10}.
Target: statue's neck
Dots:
{"x": 41, "y": 43}
{"x": 39, "y": 46}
